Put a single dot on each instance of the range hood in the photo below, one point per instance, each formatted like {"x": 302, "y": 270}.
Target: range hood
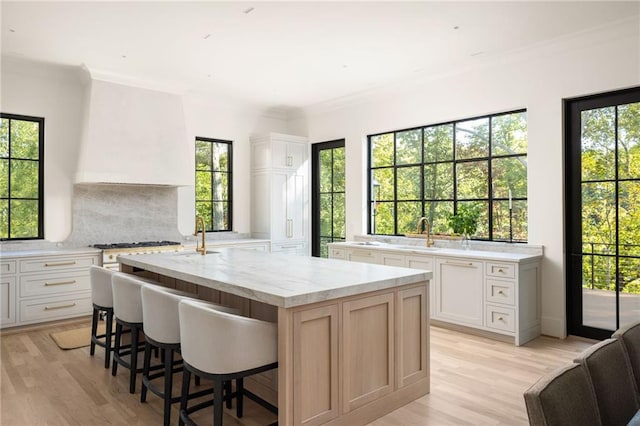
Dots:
{"x": 133, "y": 135}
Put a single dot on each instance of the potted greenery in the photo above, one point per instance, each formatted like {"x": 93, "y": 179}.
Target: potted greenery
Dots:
{"x": 465, "y": 222}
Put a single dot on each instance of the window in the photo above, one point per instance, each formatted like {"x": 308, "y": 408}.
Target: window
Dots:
{"x": 327, "y": 182}
{"x": 213, "y": 183}
{"x": 433, "y": 171}
{"x": 21, "y": 177}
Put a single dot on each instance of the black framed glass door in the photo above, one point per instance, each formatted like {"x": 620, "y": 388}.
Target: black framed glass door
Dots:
{"x": 602, "y": 185}
{"x": 328, "y": 195}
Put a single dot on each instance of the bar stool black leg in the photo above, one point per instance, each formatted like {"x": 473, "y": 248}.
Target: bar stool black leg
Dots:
{"x": 218, "y": 386}
{"x": 145, "y": 372}
{"x": 108, "y": 336}
{"x": 134, "y": 359}
{"x": 116, "y": 349}
{"x": 94, "y": 330}
{"x": 186, "y": 378}
{"x": 227, "y": 391}
{"x": 240, "y": 396}
{"x": 168, "y": 385}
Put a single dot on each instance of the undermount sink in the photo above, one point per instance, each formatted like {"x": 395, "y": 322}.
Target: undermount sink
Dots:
{"x": 421, "y": 248}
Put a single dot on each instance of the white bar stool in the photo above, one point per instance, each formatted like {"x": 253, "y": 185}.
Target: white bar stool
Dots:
{"x": 162, "y": 330}
{"x": 222, "y": 347}
{"x": 127, "y": 309}
{"x": 102, "y": 299}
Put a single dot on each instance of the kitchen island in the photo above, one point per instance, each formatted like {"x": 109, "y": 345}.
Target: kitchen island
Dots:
{"x": 353, "y": 339}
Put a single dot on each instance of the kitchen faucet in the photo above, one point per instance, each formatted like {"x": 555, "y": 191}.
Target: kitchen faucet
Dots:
{"x": 419, "y": 230}
{"x": 203, "y": 249}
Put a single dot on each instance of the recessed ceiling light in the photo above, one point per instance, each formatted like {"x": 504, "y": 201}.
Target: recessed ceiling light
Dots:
{"x": 248, "y": 10}
{"x": 456, "y": 27}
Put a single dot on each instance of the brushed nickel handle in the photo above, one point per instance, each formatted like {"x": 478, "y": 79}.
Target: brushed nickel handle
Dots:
{"x": 53, "y": 308}
{"x": 464, "y": 265}
{"x": 60, "y": 283}
{"x": 73, "y": 262}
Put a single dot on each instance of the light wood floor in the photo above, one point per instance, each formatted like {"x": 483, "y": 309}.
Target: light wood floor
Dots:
{"x": 474, "y": 381}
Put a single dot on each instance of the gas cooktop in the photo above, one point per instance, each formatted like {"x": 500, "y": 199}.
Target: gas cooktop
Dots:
{"x": 115, "y": 246}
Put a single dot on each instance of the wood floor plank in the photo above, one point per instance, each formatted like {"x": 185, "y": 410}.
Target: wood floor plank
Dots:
{"x": 474, "y": 381}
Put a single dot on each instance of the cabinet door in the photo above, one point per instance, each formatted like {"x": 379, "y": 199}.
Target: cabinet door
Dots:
{"x": 315, "y": 365}
{"x": 426, "y": 263}
{"x": 392, "y": 259}
{"x": 459, "y": 291}
{"x": 364, "y": 256}
{"x": 296, "y": 206}
{"x": 279, "y": 221}
{"x": 297, "y": 156}
{"x": 367, "y": 353}
{"x": 7, "y": 300}
{"x": 280, "y": 154}
{"x": 413, "y": 343}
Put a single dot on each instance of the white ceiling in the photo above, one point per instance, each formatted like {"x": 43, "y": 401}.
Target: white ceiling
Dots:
{"x": 288, "y": 54}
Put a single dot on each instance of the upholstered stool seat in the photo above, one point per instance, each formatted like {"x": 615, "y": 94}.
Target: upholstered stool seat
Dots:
{"x": 162, "y": 330}
{"x": 221, "y": 347}
{"x": 127, "y": 310}
{"x": 102, "y": 300}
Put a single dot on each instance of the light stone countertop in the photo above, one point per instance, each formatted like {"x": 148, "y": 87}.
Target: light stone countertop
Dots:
{"x": 48, "y": 252}
{"x": 276, "y": 279}
{"x": 442, "y": 251}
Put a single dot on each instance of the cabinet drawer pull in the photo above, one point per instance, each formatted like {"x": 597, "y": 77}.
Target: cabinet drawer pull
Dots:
{"x": 53, "y": 308}
{"x": 73, "y": 262}
{"x": 500, "y": 292}
{"x": 500, "y": 319}
{"x": 288, "y": 247}
{"x": 463, "y": 264}
{"x": 60, "y": 283}
{"x": 500, "y": 270}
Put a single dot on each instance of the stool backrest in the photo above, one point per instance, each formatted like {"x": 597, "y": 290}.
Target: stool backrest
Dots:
{"x": 127, "y": 303}
{"x": 610, "y": 371}
{"x": 564, "y": 397}
{"x": 630, "y": 337}
{"x": 160, "y": 312}
{"x": 101, "y": 293}
{"x": 218, "y": 342}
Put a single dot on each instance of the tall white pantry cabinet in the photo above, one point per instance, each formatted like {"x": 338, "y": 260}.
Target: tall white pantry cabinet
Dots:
{"x": 280, "y": 192}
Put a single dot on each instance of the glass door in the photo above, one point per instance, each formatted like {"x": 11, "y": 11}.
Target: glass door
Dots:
{"x": 603, "y": 212}
{"x": 328, "y": 201}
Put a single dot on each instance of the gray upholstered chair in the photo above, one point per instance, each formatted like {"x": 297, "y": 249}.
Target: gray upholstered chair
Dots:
{"x": 609, "y": 369}
{"x": 564, "y": 397}
{"x": 630, "y": 336}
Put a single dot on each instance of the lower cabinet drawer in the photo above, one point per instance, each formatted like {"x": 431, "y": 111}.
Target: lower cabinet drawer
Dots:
{"x": 42, "y": 285}
{"x": 500, "y": 318}
{"x": 52, "y": 308}
{"x": 337, "y": 253}
{"x": 501, "y": 292}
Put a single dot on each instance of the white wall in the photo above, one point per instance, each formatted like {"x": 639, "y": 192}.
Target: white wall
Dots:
{"x": 538, "y": 80}
{"x": 58, "y": 94}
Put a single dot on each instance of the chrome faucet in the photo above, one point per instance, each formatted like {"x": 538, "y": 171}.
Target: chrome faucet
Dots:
{"x": 419, "y": 230}
{"x": 202, "y": 249}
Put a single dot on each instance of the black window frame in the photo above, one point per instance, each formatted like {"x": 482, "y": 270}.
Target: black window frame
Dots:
{"x": 316, "y": 238}
{"x": 40, "y": 160}
{"x": 488, "y": 159}
{"x": 229, "y": 173}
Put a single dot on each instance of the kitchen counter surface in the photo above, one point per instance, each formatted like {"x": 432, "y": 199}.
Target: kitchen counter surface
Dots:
{"x": 277, "y": 279}
{"x": 440, "y": 251}
{"x": 48, "y": 252}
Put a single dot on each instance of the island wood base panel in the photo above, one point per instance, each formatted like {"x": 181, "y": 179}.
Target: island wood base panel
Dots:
{"x": 346, "y": 361}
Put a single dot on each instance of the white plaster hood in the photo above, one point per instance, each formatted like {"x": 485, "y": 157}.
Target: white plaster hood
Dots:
{"x": 133, "y": 135}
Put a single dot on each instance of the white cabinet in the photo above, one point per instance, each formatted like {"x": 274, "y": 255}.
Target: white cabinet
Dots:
{"x": 43, "y": 288}
{"x": 459, "y": 291}
{"x": 7, "y": 293}
{"x": 280, "y": 192}
{"x": 497, "y": 296}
